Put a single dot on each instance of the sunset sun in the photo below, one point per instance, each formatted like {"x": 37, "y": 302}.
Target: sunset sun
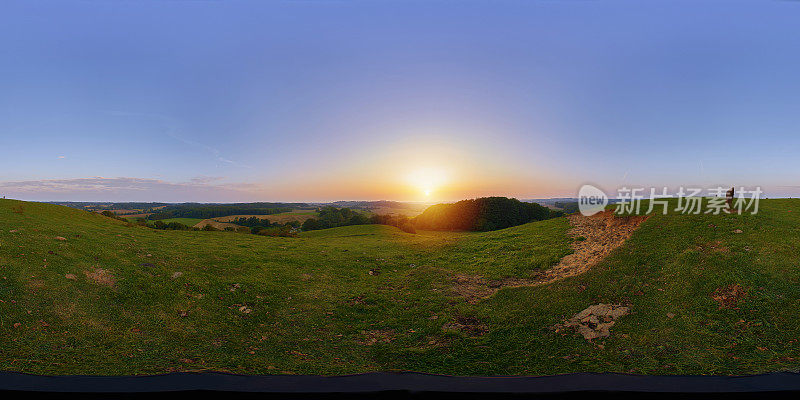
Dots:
{"x": 427, "y": 180}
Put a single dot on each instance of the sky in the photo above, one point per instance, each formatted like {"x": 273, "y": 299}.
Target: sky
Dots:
{"x": 225, "y": 101}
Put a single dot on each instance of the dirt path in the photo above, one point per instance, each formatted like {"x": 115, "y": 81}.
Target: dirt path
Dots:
{"x": 601, "y": 233}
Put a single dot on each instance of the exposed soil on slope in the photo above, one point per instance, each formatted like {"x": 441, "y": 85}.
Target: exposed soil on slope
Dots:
{"x": 596, "y": 237}
{"x": 101, "y": 277}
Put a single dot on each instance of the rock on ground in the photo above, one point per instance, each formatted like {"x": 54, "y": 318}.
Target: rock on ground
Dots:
{"x": 595, "y": 321}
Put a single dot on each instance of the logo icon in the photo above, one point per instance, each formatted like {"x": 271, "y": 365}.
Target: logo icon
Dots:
{"x": 591, "y": 200}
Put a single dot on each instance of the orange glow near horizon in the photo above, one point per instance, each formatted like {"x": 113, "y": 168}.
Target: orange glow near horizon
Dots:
{"x": 429, "y": 184}
{"x": 423, "y": 169}
{"x": 427, "y": 180}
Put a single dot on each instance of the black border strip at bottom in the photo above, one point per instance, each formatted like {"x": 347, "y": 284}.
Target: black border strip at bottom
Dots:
{"x": 406, "y": 381}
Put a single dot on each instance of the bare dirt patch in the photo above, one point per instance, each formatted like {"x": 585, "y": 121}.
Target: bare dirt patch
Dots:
{"x": 377, "y": 336}
{"x": 599, "y": 235}
{"x": 36, "y": 283}
{"x": 729, "y": 296}
{"x": 470, "y": 326}
{"x": 715, "y": 246}
{"x": 595, "y": 321}
{"x": 357, "y": 300}
{"x": 603, "y": 233}
{"x": 101, "y": 276}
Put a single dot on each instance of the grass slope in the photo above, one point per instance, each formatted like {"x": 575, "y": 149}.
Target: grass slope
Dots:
{"x": 251, "y": 304}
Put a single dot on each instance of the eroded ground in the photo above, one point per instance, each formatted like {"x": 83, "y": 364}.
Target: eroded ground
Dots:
{"x": 595, "y": 238}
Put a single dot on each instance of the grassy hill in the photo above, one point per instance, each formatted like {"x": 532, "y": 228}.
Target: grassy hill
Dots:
{"x": 84, "y": 294}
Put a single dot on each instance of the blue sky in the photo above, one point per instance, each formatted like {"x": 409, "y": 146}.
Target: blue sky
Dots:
{"x": 331, "y": 100}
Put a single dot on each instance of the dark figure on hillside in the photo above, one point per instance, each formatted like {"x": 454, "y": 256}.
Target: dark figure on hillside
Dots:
{"x": 729, "y": 198}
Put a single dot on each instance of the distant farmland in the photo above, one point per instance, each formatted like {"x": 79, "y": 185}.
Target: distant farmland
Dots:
{"x": 201, "y": 223}
{"x": 296, "y": 215}
{"x": 409, "y": 212}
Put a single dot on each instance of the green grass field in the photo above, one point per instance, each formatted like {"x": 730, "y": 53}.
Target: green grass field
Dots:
{"x": 117, "y": 299}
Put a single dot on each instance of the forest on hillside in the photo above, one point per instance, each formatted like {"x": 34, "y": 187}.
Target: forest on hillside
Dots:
{"x": 482, "y": 214}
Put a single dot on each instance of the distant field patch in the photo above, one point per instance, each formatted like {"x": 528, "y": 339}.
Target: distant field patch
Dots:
{"x": 201, "y": 223}
{"x": 296, "y": 215}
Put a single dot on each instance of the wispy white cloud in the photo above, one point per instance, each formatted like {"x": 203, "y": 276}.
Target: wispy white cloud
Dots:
{"x": 173, "y": 129}
{"x": 214, "y": 151}
{"x": 201, "y": 188}
{"x": 205, "y": 179}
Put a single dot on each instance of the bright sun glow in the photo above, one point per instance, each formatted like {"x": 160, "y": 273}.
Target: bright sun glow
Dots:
{"x": 427, "y": 180}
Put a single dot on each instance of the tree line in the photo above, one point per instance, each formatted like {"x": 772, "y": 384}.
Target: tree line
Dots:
{"x": 332, "y": 217}
{"x": 206, "y": 211}
{"x": 268, "y": 229}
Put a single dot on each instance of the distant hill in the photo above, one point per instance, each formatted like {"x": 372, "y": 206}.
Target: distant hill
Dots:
{"x": 373, "y": 204}
{"x": 94, "y": 205}
{"x": 205, "y": 211}
{"x": 482, "y": 214}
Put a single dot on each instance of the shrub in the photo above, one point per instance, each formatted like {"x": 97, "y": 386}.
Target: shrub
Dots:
{"x": 173, "y": 226}
{"x": 310, "y": 224}
{"x": 331, "y": 217}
